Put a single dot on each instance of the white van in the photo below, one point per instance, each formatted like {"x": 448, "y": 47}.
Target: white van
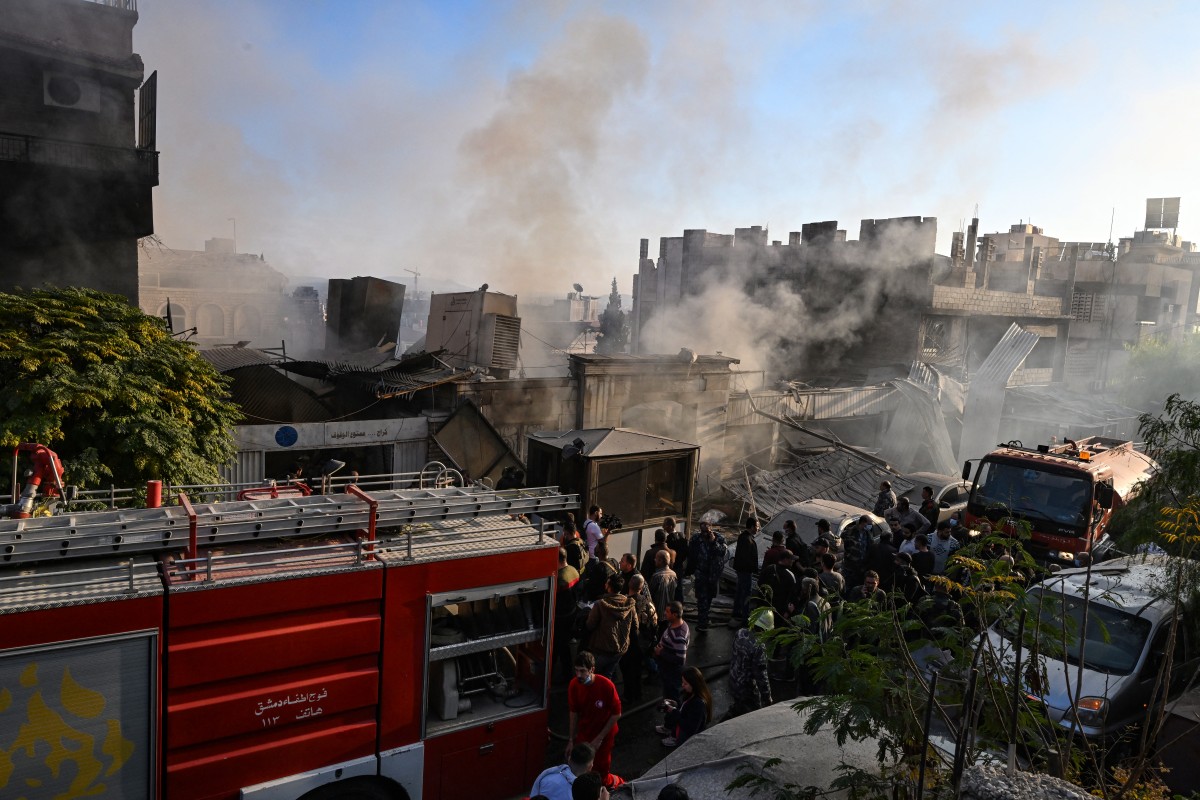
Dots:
{"x": 1124, "y": 645}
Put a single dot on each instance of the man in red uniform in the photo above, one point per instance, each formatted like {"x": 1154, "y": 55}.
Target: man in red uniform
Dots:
{"x": 595, "y": 709}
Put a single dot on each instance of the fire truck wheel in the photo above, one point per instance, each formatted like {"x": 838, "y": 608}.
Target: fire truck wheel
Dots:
{"x": 356, "y": 789}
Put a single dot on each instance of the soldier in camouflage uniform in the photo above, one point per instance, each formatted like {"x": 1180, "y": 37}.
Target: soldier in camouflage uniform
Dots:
{"x": 748, "y": 681}
{"x": 707, "y": 554}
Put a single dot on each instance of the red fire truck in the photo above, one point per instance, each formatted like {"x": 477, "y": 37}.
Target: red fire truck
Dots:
{"x": 381, "y": 645}
{"x": 1066, "y": 492}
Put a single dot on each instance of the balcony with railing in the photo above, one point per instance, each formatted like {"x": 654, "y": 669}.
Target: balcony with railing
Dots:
{"x": 134, "y": 162}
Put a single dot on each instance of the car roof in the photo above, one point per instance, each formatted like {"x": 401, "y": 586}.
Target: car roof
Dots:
{"x": 829, "y": 509}
{"x": 934, "y": 479}
{"x": 1131, "y": 583}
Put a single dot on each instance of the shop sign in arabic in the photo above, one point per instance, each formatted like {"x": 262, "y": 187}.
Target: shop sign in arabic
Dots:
{"x": 379, "y": 434}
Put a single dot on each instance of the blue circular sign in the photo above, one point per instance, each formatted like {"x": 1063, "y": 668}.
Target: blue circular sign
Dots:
{"x": 286, "y": 436}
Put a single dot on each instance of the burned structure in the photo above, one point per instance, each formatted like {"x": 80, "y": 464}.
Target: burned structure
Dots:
{"x": 887, "y": 299}
{"x": 363, "y": 313}
{"x": 883, "y": 300}
{"x": 75, "y": 185}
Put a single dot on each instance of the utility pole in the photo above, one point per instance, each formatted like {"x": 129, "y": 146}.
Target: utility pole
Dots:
{"x": 234, "y": 221}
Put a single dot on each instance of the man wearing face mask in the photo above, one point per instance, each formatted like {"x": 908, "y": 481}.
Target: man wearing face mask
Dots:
{"x": 594, "y": 710}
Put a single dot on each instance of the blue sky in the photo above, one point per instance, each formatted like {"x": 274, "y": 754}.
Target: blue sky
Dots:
{"x": 531, "y": 145}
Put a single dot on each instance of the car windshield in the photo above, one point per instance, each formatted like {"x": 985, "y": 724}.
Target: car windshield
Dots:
{"x": 1065, "y": 499}
{"x": 1114, "y": 641}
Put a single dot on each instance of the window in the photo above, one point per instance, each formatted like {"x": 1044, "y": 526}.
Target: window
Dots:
{"x": 1115, "y": 639}
{"x": 1065, "y": 499}
{"x": 247, "y": 322}
{"x": 952, "y": 495}
{"x": 210, "y": 320}
{"x": 639, "y": 489}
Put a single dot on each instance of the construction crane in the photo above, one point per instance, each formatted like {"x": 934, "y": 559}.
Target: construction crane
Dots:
{"x": 416, "y": 277}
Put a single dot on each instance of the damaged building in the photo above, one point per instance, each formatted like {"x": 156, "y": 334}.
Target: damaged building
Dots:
{"x": 913, "y": 303}
{"x": 77, "y": 159}
{"x": 880, "y": 302}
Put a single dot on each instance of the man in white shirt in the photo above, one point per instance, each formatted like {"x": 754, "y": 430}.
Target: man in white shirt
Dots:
{"x": 555, "y": 783}
{"x": 942, "y": 546}
{"x": 591, "y": 530}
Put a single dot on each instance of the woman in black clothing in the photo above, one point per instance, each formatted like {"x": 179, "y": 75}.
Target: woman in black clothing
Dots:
{"x": 694, "y": 712}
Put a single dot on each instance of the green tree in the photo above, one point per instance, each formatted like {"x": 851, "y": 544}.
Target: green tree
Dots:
{"x": 614, "y": 332}
{"x": 110, "y": 390}
{"x": 1172, "y": 439}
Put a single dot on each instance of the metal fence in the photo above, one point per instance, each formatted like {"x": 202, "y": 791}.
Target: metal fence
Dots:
{"x": 76, "y": 155}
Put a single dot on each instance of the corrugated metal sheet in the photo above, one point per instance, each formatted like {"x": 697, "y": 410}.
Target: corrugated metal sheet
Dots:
{"x": 385, "y": 380}
{"x": 924, "y": 375}
{"x": 227, "y": 358}
{"x": 812, "y": 404}
{"x": 248, "y": 466}
{"x": 265, "y": 395}
{"x": 409, "y": 456}
{"x": 1006, "y": 356}
{"x": 835, "y": 475}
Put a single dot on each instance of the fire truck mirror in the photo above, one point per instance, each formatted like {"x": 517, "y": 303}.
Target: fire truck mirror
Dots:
{"x": 1104, "y": 495}
{"x": 966, "y": 473}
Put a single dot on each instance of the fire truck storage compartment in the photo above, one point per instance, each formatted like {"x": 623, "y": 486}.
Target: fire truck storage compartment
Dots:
{"x": 274, "y": 662}
{"x": 499, "y": 759}
{"x": 79, "y": 681}
{"x": 482, "y": 645}
{"x": 466, "y": 607}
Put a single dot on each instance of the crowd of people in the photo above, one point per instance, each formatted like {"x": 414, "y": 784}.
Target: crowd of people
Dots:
{"x": 627, "y": 615}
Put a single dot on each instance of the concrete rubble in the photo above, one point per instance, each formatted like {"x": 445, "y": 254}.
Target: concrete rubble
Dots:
{"x": 994, "y": 783}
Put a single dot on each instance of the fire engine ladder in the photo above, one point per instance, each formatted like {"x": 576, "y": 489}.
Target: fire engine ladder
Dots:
{"x": 192, "y": 526}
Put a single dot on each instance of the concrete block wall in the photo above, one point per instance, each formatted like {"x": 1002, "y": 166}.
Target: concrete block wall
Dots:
{"x": 992, "y": 303}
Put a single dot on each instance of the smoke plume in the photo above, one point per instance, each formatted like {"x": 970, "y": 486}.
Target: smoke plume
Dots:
{"x": 793, "y": 311}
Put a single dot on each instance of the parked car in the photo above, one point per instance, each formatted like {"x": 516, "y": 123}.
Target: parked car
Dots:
{"x": 950, "y": 492}
{"x": 805, "y": 514}
{"x": 1128, "y": 623}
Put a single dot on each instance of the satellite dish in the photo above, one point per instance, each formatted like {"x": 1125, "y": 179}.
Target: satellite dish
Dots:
{"x": 578, "y": 288}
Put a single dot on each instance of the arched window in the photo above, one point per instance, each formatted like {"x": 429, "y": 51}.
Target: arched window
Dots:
{"x": 210, "y": 320}
{"x": 178, "y": 316}
{"x": 247, "y": 322}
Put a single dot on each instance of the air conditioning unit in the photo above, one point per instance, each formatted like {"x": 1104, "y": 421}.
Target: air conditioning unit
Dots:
{"x": 61, "y": 90}
{"x": 479, "y": 329}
